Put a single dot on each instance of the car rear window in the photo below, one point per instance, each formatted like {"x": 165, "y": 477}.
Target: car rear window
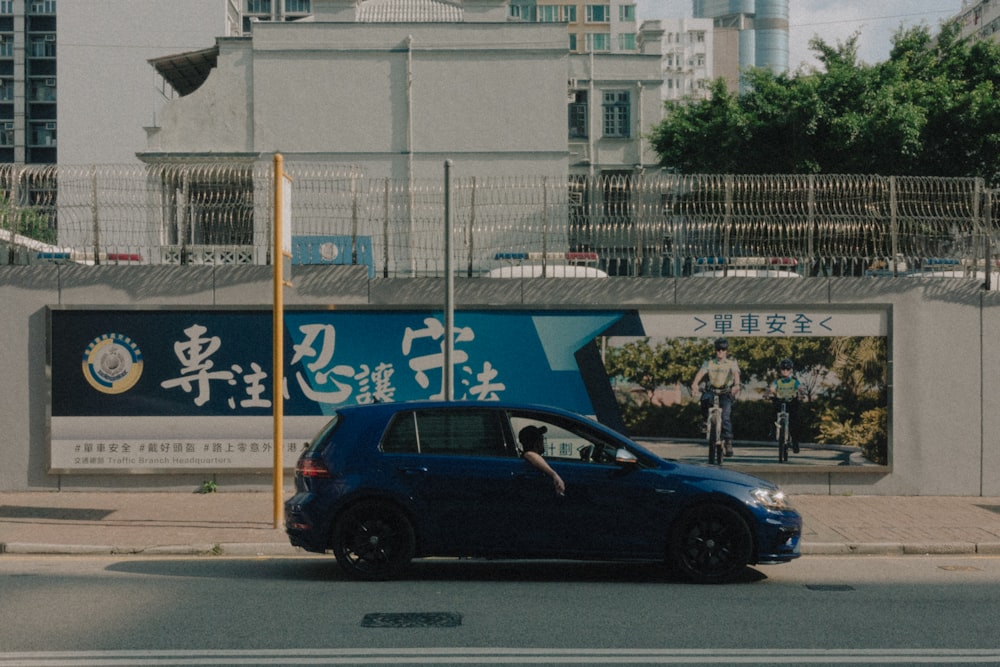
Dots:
{"x": 323, "y": 435}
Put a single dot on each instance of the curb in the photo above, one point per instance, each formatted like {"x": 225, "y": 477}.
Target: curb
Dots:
{"x": 258, "y": 549}
{"x": 900, "y": 549}
{"x": 224, "y": 549}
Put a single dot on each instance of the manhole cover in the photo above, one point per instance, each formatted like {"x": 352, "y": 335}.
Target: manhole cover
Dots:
{"x": 438, "y": 619}
{"x": 835, "y": 588}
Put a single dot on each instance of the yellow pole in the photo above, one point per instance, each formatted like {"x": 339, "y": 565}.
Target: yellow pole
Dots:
{"x": 277, "y": 344}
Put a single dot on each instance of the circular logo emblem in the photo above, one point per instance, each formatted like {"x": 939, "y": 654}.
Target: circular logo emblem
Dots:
{"x": 328, "y": 251}
{"x": 112, "y": 363}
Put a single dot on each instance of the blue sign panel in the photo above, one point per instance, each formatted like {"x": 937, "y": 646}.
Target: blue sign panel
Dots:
{"x": 201, "y": 363}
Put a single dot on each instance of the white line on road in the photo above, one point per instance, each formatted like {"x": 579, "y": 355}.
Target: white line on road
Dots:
{"x": 498, "y": 656}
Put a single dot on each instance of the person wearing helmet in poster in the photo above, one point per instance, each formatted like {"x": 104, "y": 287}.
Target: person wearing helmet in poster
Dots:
{"x": 788, "y": 390}
{"x": 723, "y": 379}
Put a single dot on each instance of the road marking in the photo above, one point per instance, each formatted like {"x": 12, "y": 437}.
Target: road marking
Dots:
{"x": 498, "y": 656}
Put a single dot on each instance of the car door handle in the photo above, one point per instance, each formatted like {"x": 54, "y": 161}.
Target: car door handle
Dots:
{"x": 412, "y": 470}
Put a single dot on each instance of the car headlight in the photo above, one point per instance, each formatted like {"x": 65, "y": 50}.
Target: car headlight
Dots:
{"x": 772, "y": 499}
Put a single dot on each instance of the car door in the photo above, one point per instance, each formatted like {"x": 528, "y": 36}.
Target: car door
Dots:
{"x": 610, "y": 507}
{"x": 455, "y": 467}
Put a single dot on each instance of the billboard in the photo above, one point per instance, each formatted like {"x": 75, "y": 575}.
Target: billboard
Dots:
{"x": 175, "y": 390}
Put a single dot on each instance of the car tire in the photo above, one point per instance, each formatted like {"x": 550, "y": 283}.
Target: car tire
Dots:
{"x": 373, "y": 541}
{"x": 710, "y": 543}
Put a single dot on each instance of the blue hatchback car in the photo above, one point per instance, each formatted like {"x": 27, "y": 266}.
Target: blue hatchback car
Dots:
{"x": 382, "y": 484}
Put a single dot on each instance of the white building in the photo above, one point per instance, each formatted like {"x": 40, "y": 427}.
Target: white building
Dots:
{"x": 688, "y": 58}
{"x": 397, "y": 87}
{"x": 980, "y": 19}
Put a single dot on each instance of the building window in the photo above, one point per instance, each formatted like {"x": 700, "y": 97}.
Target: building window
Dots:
{"x": 699, "y": 36}
{"x": 548, "y": 14}
{"x": 6, "y": 133}
{"x": 626, "y": 41}
{"x": 43, "y": 134}
{"x": 525, "y": 12}
{"x": 42, "y": 7}
{"x": 569, "y": 13}
{"x": 598, "y": 13}
{"x": 598, "y": 41}
{"x": 616, "y": 114}
{"x": 626, "y": 12}
{"x": 42, "y": 46}
{"x": 297, "y": 6}
{"x": 617, "y": 194}
{"x": 7, "y": 89}
{"x": 7, "y": 7}
{"x": 259, "y": 7}
{"x": 42, "y": 90}
{"x": 578, "y": 115}
{"x": 216, "y": 211}
{"x": 573, "y": 42}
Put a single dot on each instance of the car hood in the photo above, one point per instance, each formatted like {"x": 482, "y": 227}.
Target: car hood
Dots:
{"x": 702, "y": 472}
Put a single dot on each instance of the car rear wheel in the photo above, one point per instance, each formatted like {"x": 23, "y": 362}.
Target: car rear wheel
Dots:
{"x": 710, "y": 543}
{"x": 372, "y": 541}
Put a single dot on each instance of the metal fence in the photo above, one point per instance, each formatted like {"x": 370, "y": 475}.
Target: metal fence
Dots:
{"x": 653, "y": 224}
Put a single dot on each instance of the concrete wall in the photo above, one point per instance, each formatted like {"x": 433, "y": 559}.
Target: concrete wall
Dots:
{"x": 944, "y": 373}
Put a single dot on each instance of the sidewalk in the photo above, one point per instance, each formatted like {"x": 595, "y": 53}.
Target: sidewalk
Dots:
{"x": 242, "y": 524}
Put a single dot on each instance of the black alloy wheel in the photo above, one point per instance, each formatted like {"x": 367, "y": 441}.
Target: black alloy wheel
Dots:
{"x": 710, "y": 543}
{"x": 373, "y": 541}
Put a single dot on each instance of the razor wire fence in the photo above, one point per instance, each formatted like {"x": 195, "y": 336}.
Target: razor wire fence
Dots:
{"x": 641, "y": 225}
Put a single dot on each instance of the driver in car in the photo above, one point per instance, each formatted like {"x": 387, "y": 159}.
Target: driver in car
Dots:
{"x": 533, "y": 446}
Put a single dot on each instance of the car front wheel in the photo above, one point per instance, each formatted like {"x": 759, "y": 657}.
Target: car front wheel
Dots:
{"x": 372, "y": 541}
{"x": 710, "y": 543}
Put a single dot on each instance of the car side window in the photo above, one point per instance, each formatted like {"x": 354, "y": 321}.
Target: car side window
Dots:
{"x": 562, "y": 443}
{"x": 464, "y": 432}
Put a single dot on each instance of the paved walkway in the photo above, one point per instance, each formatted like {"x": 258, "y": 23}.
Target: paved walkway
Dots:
{"x": 242, "y": 523}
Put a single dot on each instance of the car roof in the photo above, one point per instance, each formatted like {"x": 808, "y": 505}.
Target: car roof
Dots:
{"x": 400, "y": 406}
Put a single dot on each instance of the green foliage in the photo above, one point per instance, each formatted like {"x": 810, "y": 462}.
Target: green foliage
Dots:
{"x": 26, "y": 222}
{"x": 844, "y": 378}
{"x": 931, "y": 109}
{"x": 869, "y": 432}
{"x": 665, "y": 363}
{"x": 208, "y": 486}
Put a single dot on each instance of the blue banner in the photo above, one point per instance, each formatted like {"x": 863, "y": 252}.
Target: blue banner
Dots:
{"x": 209, "y": 362}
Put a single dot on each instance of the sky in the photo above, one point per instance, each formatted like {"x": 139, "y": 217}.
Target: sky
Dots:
{"x": 835, "y": 20}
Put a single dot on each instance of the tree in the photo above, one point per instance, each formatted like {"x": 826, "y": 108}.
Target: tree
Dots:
{"x": 26, "y": 222}
{"x": 931, "y": 109}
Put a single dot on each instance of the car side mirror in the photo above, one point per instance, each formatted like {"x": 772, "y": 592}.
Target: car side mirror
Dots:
{"x": 625, "y": 457}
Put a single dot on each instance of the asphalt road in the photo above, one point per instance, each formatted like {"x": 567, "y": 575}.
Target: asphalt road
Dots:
{"x": 77, "y": 611}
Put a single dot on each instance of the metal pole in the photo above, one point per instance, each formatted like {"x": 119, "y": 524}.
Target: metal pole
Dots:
{"x": 893, "y": 226}
{"x": 277, "y": 344}
{"x": 449, "y": 292}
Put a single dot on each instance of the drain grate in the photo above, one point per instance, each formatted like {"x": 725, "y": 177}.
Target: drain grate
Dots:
{"x": 435, "y": 619}
{"x": 830, "y": 588}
